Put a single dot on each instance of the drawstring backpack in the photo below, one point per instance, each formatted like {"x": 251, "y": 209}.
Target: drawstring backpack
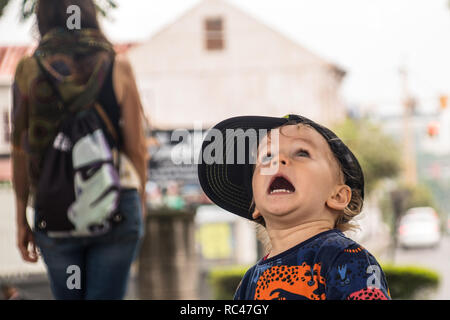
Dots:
{"x": 78, "y": 190}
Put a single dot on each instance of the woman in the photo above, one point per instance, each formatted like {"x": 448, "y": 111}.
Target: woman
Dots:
{"x": 102, "y": 262}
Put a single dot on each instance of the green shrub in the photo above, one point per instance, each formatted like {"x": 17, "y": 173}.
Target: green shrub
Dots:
{"x": 405, "y": 282}
{"x": 410, "y": 282}
{"x": 5, "y": 184}
{"x": 225, "y": 280}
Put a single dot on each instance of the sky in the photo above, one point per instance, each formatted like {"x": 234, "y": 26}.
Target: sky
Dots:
{"x": 369, "y": 39}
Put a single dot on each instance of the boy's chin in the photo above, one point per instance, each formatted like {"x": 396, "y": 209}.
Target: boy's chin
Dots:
{"x": 279, "y": 205}
{"x": 279, "y": 211}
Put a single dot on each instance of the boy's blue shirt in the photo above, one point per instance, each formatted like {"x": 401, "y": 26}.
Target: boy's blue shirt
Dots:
{"x": 326, "y": 266}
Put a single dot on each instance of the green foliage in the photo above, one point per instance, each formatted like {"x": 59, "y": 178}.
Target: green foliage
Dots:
{"x": 386, "y": 208}
{"x": 29, "y": 6}
{"x": 410, "y": 282}
{"x": 405, "y": 282}
{"x": 5, "y": 184}
{"x": 419, "y": 196}
{"x": 378, "y": 153}
{"x": 440, "y": 190}
{"x": 3, "y": 4}
{"x": 103, "y": 6}
{"x": 225, "y": 280}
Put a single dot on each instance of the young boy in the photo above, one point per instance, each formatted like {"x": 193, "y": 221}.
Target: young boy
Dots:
{"x": 304, "y": 186}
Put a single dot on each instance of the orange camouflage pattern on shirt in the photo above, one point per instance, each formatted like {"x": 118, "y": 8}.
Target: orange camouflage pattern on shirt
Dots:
{"x": 291, "y": 282}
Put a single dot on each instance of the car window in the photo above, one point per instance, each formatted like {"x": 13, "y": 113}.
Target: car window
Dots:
{"x": 418, "y": 218}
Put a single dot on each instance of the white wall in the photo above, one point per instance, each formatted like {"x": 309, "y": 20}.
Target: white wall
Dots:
{"x": 259, "y": 72}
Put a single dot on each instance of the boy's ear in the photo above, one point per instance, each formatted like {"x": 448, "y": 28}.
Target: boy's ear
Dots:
{"x": 256, "y": 214}
{"x": 340, "y": 198}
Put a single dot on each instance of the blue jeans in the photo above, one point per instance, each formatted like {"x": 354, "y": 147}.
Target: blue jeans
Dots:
{"x": 103, "y": 262}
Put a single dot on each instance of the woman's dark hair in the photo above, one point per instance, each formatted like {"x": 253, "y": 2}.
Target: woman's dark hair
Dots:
{"x": 53, "y": 13}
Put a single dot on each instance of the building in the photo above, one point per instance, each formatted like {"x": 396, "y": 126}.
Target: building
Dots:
{"x": 9, "y": 57}
{"x": 216, "y": 61}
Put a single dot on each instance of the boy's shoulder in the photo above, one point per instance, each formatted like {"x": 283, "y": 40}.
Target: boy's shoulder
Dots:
{"x": 335, "y": 248}
{"x": 329, "y": 244}
{"x": 336, "y": 241}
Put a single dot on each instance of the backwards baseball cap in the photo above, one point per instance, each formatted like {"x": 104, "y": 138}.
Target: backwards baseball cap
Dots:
{"x": 226, "y": 176}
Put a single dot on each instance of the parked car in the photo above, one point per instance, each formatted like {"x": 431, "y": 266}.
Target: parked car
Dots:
{"x": 419, "y": 227}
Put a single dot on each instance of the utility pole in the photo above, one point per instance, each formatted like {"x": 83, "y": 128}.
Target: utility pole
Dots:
{"x": 399, "y": 196}
{"x": 409, "y": 148}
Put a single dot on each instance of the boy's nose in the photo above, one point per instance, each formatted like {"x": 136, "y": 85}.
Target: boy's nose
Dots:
{"x": 281, "y": 158}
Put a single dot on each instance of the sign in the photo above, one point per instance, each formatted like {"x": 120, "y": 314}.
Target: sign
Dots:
{"x": 174, "y": 155}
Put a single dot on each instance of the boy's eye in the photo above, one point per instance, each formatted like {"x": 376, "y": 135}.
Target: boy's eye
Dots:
{"x": 302, "y": 153}
{"x": 266, "y": 157}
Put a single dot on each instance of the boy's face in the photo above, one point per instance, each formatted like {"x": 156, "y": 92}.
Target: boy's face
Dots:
{"x": 304, "y": 182}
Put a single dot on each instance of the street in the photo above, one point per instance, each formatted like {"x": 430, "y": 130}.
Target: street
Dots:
{"x": 437, "y": 259}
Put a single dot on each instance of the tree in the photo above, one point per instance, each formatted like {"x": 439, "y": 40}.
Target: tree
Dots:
{"x": 3, "y": 4}
{"x": 420, "y": 196}
{"x": 378, "y": 153}
{"x": 28, "y": 7}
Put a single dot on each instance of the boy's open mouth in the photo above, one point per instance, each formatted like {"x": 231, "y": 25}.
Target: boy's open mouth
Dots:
{"x": 280, "y": 185}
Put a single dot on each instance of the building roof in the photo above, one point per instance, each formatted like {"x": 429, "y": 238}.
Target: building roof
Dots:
{"x": 11, "y": 55}
{"x": 339, "y": 71}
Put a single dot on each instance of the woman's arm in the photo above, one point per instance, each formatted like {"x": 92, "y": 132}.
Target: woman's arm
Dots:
{"x": 132, "y": 116}
{"x": 19, "y": 121}
{"x": 25, "y": 241}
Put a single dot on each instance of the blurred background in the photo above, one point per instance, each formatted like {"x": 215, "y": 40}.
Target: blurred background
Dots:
{"x": 377, "y": 72}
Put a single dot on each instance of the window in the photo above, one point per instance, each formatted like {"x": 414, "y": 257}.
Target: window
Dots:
{"x": 214, "y": 35}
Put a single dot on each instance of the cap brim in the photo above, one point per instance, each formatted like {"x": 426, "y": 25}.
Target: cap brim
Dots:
{"x": 229, "y": 185}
